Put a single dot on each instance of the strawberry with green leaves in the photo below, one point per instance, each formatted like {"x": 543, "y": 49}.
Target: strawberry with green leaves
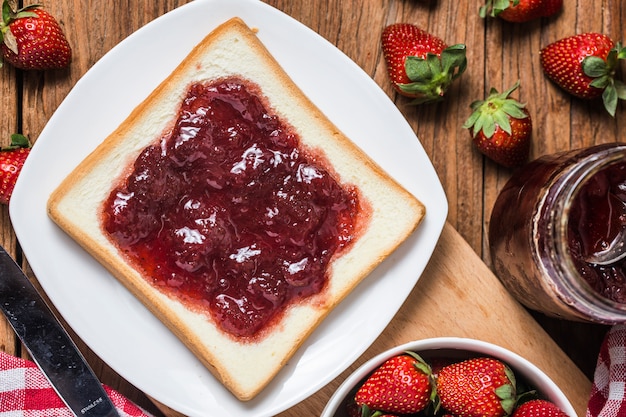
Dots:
{"x": 520, "y": 11}
{"x": 477, "y": 387}
{"x": 32, "y": 39}
{"x": 12, "y": 160}
{"x": 539, "y": 408}
{"x": 585, "y": 65}
{"x": 501, "y": 128}
{"x": 421, "y": 65}
{"x": 401, "y": 385}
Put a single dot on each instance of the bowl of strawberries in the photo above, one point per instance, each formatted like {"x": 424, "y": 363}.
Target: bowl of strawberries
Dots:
{"x": 448, "y": 376}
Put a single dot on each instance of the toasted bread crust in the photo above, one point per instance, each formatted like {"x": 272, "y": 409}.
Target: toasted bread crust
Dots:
{"x": 244, "y": 368}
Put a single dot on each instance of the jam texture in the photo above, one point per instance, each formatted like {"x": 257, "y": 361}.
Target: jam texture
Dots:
{"x": 228, "y": 213}
{"x": 597, "y": 215}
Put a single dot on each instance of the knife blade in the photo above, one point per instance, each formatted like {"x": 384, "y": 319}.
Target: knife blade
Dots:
{"x": 49, "y": 344}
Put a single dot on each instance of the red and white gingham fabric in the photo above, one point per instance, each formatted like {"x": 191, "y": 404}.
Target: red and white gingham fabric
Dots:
{"x": 608, "y": 393}
{"x": 25, "y": 392}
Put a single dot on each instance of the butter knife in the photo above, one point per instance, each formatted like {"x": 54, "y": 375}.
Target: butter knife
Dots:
{"x": 49, "y": 345}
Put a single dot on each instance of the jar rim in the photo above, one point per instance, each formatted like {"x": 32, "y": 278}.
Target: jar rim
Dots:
{"x": 573, "y": 285}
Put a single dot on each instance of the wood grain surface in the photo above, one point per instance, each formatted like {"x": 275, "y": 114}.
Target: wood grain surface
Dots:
{"x": 499, "y": 54}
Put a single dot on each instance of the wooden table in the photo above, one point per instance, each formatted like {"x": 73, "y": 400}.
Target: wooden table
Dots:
{"x": 499, "y": 53}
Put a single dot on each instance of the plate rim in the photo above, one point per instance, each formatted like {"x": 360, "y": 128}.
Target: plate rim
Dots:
{"x": 434, "y": 220}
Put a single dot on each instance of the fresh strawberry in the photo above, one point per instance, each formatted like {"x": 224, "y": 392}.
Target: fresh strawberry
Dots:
{"x": 421, "y": 65}
{"x": 501, "y": 128}
{"x": 401, "y": 385}
{"x": 12, "y": 159}
{"x": 478, "y": 387}
{"x": 31, "y": 39}
{"x": 585, "y": 65}
{"x": 520, "y": 11}
{"x": 539, "y": 408}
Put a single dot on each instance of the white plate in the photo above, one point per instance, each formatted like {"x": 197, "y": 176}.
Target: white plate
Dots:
{"x": 109, "y": 319}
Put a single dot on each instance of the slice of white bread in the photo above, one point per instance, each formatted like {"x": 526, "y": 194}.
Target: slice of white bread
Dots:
{"x": 233, "y": 49}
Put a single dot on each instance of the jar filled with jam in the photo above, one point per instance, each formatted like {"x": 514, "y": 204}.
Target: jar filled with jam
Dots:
{"x": 548, "y": 227}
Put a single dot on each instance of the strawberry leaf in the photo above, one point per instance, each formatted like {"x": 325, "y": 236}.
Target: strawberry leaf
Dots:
{"x": 610, "y": 98}
{"x": 513, "y": 109}
{"x": 511, "y": 375}
{"x": 601, "y": 82}
{"x": 526, "y": 396}
{"x": 620, "y": 87}
{"x": 23, "y": 14}
{"x": 420, "y": 363}
{"x": 594, "y": 66}
{"x": 365, "y": 411}
{"x": 17, "y": 141}
{"x": 434, "y": 63}
{"x": 474, "y": 116}
{"x": 611, "y": 59}
{"x": 7, "y": 12}
{"x": 417, "y": 68}
{"x": 486, "y": 124}
{"x": 501, "y": 5}
{"x": 453, "y": 60}
{"x": 415, "y": 88}
{"x": 619, "y": 51}
{"x": 10, "y": 41}
{"x": 506, "y": 393}
{"x": 494, "y": 7}
{"x": 501, "y": 119}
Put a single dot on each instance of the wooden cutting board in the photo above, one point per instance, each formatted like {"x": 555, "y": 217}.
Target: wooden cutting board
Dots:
{"x": 458, "y": 295}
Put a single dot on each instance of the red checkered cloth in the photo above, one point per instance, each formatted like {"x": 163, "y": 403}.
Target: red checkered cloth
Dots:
{"x": 608, "y": 392}
{"x": 25, "y": 392}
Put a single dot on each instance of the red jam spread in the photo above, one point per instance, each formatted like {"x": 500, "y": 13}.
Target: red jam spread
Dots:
{"x": 229, "y": 213}
{"x": 598, "y": 213}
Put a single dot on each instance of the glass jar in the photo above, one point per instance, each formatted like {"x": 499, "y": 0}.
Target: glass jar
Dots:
{"x": 548, "y": 219}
